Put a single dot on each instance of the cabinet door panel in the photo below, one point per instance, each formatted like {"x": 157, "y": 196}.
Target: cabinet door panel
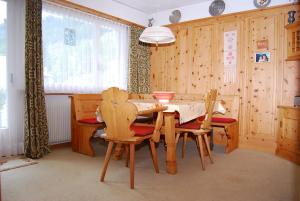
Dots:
{"x": 262, "y": 79}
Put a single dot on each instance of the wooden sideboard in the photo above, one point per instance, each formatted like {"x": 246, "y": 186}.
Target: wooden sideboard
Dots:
{"x": 288, "y": 135}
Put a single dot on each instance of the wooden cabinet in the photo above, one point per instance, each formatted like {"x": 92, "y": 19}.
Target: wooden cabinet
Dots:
{"x": 293, "y": 39}
{"x": 288, "y": 139}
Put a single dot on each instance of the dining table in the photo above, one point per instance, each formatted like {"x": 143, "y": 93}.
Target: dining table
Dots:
{"x": 188, "y": 110}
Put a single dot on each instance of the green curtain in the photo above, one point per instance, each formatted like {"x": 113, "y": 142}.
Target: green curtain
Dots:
{"x": 139, "y": 65}
{"x": 36, "y": 127}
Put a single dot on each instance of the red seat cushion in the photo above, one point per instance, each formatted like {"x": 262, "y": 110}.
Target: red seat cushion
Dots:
{"x": 142, "y": 130}
{"x": 223, "y": 120}
{"x": 201, "y": 118}
{"x": 189, "y": 125}
{"x": 89, "y": 121}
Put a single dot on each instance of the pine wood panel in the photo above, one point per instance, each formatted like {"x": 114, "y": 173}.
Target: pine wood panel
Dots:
{"x": 218, "y": 71}
{"x": 157, "y": 68}
{"x": 201, "y": 59}
{"x": 262, "y": 80}
{"x": 194, "y": 64}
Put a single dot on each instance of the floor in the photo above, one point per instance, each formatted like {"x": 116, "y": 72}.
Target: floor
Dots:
{"x": 243, "y": 175}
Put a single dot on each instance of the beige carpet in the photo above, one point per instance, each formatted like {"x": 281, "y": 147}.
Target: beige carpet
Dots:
{"x": 243, "y": 175}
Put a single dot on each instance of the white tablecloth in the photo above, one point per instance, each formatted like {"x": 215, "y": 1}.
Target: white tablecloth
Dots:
{"x": 188, "y": 110}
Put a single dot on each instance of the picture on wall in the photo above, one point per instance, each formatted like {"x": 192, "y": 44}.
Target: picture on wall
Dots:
{"x": 261, "y": 57}
{"x": 230, "y": 56}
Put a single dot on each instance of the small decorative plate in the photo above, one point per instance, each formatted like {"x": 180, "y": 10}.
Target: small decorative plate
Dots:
{"x": 175, "y": 17}
{"x": 261, "y": 3}
{"x": 217, "y": 7}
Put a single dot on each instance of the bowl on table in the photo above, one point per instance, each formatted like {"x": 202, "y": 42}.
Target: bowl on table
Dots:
{"x": 163, "y": 96}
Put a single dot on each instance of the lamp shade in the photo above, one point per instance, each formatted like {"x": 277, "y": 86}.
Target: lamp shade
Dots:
{"x": 157, "y": 35}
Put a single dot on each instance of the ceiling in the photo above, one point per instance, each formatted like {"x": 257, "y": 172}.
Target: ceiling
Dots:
{"x": 153, "y": 6}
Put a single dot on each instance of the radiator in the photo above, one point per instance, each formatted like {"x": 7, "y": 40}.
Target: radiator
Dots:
{"x": 58, "y": 116}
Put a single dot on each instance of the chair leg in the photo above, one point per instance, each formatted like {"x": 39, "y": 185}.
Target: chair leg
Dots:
{"x": 177, "y": 138}
{"x": 184, "y": 144}
{"x": 211, "y": 140}
{"x": 199, "y": 137}
{"x": 127, "y": 155}
{"x": 132, "y": 153}
{"x": 154, "y": 155}
{"x": 208, "y": 147}
{"x": 197, "y": 143}
{"x": 106, "y": 160}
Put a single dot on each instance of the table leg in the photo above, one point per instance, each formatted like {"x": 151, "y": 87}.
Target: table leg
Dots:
{"x": 170, "y": 141}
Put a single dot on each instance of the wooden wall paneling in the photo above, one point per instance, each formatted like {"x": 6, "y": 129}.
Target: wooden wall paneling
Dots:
{"x": 170, "y": 70}
{"x": 246, "y": 95}
{"x": 242, "y": 76}
{"x": 281, "y": 44}
{"x": 157, "y": 63}
{"x": 201, "y": 59}
{"x": 236, "y": 88}
{"x": 172, "y": 52}
{"x": 183, "y": 62}
{"x": 218, "y": 69}
{"x": 262, "y": 83}
{"x": 261, "y": 86}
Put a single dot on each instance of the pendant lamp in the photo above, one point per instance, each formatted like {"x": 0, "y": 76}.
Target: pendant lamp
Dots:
{"x": 157, "y": 35}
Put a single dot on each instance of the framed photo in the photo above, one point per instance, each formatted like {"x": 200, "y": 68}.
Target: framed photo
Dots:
{"x": 261, "y": 3}
{"x": 262, "y": 57}
{"x": 262, "y": 44}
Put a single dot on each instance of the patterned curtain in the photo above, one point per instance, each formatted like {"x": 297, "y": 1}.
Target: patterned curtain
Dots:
{"x": 139, "y": 65}
{"x": 36, "y": 128}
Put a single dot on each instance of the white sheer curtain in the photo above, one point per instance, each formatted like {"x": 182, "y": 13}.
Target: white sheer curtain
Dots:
{"x": 12, "y": 132}
{"x": 82, "y": 52}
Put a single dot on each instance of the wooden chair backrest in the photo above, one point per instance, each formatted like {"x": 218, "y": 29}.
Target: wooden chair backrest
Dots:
{"x": 232, "y": 104}
{"x": 85, "y": 105}
{"x": 117, "y": 113}
{"x": 209, "y": 106}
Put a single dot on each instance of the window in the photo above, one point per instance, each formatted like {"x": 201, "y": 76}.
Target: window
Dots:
{"x": 3, "y": 73}
{"x": 12, "y": 46}
{"x": 82, "y": 52}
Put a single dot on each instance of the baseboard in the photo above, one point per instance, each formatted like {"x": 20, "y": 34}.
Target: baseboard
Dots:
{"x": 60, "y": 145}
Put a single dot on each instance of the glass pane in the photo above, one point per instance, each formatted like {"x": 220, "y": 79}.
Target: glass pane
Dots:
{"x": 3, "y": 80}
{"x": 66, "y": 50}
{"x": 82, "y": 53}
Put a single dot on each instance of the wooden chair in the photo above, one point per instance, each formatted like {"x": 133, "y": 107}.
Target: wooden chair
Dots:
{"x": 83, "y": 122}
{"x": 199, "y": 129}
{"x": 119, "y": 115}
